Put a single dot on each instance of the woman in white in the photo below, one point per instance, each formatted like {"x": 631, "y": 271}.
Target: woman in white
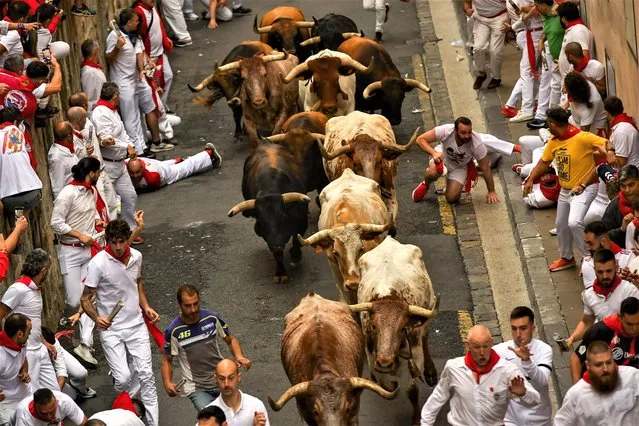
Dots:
{"x": 586, "y": 105}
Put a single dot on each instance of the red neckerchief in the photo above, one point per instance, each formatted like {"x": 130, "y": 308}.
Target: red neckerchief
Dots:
{"x": 124, "y": 402}
{"x": 126, "y": 254}
{"x": 581, "y": 65}
{"x": 89, "y": 63}
{"x": 34, "y": 413}
{"x": 603, "y": 291}
{"x": 5, "y": 124}
{"x": 107, "y": 104}
{"x": 625, "y": 206}
{"x": 575, "y": 22}
{"x": 623, "y": 118}
{"x": 8, "y": 343}
{"x": 615, "y": 248}
{"x": 569, "y": 133}
{"x": 100, "y": 205}
{"x": 68, "y": 146}
{"x": 613, "y": 323}
{"x": 470, "y": 363}
{"x": 78, "y": 134}
{"x": 26, "y": 281}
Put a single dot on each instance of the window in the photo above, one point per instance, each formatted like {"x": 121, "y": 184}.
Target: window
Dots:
{"x": 631, "y": 31}
{"x": 611, "y": 85}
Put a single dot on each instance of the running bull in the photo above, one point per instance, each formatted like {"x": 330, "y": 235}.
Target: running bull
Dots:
{"x": 285, "y": 28}
{"x": 331, "y": 30}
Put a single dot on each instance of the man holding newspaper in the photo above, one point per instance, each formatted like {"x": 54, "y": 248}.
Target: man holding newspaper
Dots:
{"x": 114, "y": 280}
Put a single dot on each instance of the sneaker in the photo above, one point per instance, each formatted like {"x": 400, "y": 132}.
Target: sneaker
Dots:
{"x": 387, "y": 6}
{"x": 205, "y": 15}
{"x": 82, "y": 11}
{"x": 137, "y": 241}
{"x": 216, "y": 158}
{"x": 87, "y": 394}
{"x": 521, "y": 117}
{"x": 147, "y": 153}
{"x": 479, "y": 80}
{"x": 183, "y": 43}
{"x": 494, "y": 83}
{"x": 420, "y": 192}
{"x": 378, "y": 36}
{"x": 509, "y": 111}
{"x": 191, "y": 17}
{"x": 561, "y": 264}
{"x": 553, "y": 232}
{"x": 242, "y": 11}
{"x": 537, "y": 124}
{"x": 84, "y": 353}
{"x": 161, "y": 147}
{"x": 517, "y": 168}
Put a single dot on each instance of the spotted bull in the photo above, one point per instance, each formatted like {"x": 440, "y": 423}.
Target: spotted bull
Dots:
{"x": 285, "y": 28}
{"x": 323, "y": 355}
{"x": 395, "y": 302}
{"x": 383, "y": 88}
{"x": 353, "y": 220}
{"x": 273, "y": 189}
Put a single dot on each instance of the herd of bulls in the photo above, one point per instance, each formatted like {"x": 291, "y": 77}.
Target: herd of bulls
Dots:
{"x": 338, "y": 147}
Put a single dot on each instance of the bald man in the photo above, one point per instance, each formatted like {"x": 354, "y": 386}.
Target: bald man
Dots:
{"x": 61, "y": 157}
{"x": 479, "y": 385}
{"x": 592, "y": 69}
{"x": 240, "y": 409}
{"x": 150, "y": 174}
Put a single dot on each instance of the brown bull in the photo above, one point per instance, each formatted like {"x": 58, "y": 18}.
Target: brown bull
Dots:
{"x": 323, "y": 354}
{"x": 266, "y": 102}
{"x": 285, "y": 28}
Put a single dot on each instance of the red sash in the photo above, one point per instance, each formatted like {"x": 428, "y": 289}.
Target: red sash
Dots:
{"x": 532, "y": 54}
{"x": 144, "y": 28}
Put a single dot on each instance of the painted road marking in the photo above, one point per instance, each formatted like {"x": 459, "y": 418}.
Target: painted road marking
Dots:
{"x": 465, "y": 322}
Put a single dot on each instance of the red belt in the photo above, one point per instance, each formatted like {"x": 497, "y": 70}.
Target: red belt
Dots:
{"x": 72, "y": 244}
{"x": 496, "y": 15}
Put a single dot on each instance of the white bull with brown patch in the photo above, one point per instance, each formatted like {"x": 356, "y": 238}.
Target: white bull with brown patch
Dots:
{"x": 395, "y": 300}
{"x": 354, "y": 219}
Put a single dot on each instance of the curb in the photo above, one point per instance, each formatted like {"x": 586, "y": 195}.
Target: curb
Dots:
{"x": 541, "y": 289}
{"x": 468, "y": 236}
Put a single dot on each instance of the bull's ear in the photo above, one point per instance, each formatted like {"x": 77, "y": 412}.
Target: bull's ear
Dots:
{"x": 372, "y": 235}
{"x": 306, "y": 75}
{"x": 408, "y": 87}
{"x": 346, "y": 71}
{"x": 389, "y": 154}
{"x": 321, "y": 245}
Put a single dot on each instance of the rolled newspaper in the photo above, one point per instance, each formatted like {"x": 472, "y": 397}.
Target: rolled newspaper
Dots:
{"x": 179, "y": 384}
{"x": 118, "y": 306}
{"x": 114, "y": 27}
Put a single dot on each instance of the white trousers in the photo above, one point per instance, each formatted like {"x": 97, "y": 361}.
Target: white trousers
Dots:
{"x": 379, "y": 6}
{"x": 167, "y": 72}
{"x": 74, "y": 262}
{"x": 527, "y": 168}
{"x": 489, "y": 41}
{"x": 470, "y": 30}
{"x": 528, "y": 144}
{"x": 571, "y": 210}
{"x": 134, "y": 343}
{"x": 107, "y": 191}
{"x": 172, "y": 11}
{"x": 76, "y": 374}
{"x": 599, "y": 204}
{"x": 124, "y": 188}
{"x": 198, "y": 163}
{"x": 525, "y": 86}
{"x": 549, "y": 87}
{"x": 221, "y": 14}
{"x": 496, "y": 147}
{"x": 536, "y": 199}
{"x": 132, "y": 99}
{"x": 41, "y": 369}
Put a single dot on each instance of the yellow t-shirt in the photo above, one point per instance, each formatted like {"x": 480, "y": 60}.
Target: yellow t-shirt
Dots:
{"x": 574, "y": 159}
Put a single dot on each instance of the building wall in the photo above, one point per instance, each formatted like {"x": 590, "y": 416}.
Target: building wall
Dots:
{"x": 607, "y": 21}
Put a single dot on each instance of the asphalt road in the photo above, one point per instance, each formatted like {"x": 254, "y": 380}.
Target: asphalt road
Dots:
{"x": 189, "y": 238}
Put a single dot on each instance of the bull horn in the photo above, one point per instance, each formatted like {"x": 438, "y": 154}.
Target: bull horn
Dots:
{"x": 244, "y": 205}
{"x": 203, "y": 84}
{"x": 423, "y": 312}
{"x": 293, "y": 391}
{"x": 312, "y": 40}
{"x": 334, "y": 154}
{"x": 402, "y": 148}
{"x": 371, "y": 88}
{"x": 346, "y": 36}
{"x": 303, "y": 67}
{"x": 360, "y": 383}
{"x": 418, "y": 84}
{"x": 358, "y": 65}
{"x": 361, "y": 307}
{"x": 229, "y": 66}
{"x": 275, "y": 57}
{"x": 261, "y": 30}
{"x": 315, "y": 238}
{"x": 373, "y": 227}
{"x": 277, "y": 138}
{"x": 289, "y": 197}
{"x": 235, "y": 101}
{"x": 305, "y": 24}
{"x": 318, "y": 137}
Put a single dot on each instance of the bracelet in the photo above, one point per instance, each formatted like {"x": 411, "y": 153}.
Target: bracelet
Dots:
{"x": 21, "y": 27}
{"x": 583, "y": 185}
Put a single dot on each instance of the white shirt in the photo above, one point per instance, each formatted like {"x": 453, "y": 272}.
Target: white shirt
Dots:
{"x": 74, "y": 209}
{"x": 244, "y": 416}
{"x": 602, "y": 307}
{"x": 12, "y": 44}
{"x": 594, "y": 70}
{"x": 473, "y": 404}
{"x": 583, "y": 406}
{"x": 155, "y": 33}
{"x": 91, "y": 80}
{"x": 124, "y": 70}
{"x": 14, "y": 390}
{"x": 4, "y": 27}
{"x": 459, "y": 156}
{"x": 108, "y": 123}
{"x": 27, "y": 300}
{"x": 67, "y": 409}
{"x": 16, "y": 173}
{"x": 579, "y": 34}
{"x": 60, "y": 160}
{"x": 115, "y": 281}
{"x": 118, "y": 417}
{"x": 488, "y": 8}
{"x": 623, "y": 258}
{"x": 584, "y": 116}
{"x": 537, "y": 371}
{"x": 625, "y": 140}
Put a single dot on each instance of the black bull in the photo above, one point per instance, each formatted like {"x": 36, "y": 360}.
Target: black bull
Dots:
{"x": 273, "y": 187}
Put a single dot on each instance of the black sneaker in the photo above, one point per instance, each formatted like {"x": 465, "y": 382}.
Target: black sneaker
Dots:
{"x": 216, "y": 158}
{"x": 537, "y": 124}
{"x": 378, "y": 36}
{"x": 242, "y": 11}
{"x": 147, "y": 153}
{"x": 82, "y": 11}
{"x": 183, "y": 43}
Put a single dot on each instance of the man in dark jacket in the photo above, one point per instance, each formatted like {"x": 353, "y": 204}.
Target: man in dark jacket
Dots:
{"x": 622, "y": 205}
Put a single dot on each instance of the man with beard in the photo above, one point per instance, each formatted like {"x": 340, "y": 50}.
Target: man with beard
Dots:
{"x": 620, "y": 331}
{"x": 458, "y": 147}
{"x": 479, "y": 385}
{"x": 596, "y": 237}
{"x": 606, "y": 395}
{"x": 621, "y": 206}
{"x": 534, "y": 358}
{"x": 14, "y": 375}
{"x": 605, "y": 295}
